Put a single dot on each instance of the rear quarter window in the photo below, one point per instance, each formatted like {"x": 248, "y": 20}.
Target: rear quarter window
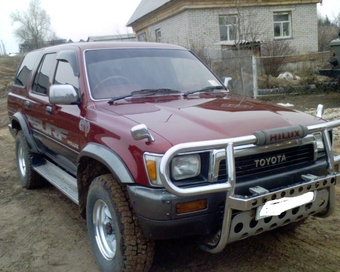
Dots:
{"x": 25, "y": 68}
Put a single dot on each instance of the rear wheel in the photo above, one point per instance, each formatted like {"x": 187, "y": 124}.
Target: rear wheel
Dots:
{"x": 29, "y": 178}
{"x": 115, "y": 235}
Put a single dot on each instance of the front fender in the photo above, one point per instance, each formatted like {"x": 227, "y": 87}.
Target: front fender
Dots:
{"x": 108, "y": 158}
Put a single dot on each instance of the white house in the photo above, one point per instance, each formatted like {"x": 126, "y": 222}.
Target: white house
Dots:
{"x": 216, "y": 25}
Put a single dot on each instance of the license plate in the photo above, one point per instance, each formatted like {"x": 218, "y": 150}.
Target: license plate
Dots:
{"x": 276, "y": 207}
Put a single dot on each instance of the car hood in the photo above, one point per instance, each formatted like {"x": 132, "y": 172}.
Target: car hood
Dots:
{"x": 185, "y": 120}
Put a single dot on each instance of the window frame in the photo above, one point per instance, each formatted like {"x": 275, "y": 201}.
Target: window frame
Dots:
{"x": 58, "y": 74}
{"x": 281, "y": 25}
{"x": 38, "y": 77}
{"x": 158, "y": 35}
{"x": 228, "y": 26}
{"x": 25, "y": 68}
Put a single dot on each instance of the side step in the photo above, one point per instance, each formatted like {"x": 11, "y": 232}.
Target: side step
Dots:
{"x": 63, "y": 181}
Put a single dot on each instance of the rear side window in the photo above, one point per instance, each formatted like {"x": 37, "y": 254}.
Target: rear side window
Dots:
{"x": 42, "y": 78}
{"x": 26, "y": 68}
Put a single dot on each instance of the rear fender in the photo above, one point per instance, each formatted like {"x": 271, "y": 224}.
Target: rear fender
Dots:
{"x": 18, "y": 122}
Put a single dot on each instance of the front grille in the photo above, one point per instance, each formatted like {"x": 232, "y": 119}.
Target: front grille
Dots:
{"x": 263, "y": 164}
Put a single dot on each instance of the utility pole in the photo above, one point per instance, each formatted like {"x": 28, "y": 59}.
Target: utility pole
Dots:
{"x": 2, "y": 48}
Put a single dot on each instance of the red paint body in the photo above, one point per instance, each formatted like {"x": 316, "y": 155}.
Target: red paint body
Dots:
{"x": 171, "y": 118}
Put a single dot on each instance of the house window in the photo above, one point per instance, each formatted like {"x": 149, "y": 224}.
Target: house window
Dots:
{"x": 142, "y": 37}
{"x": 227, "y": 28}
{"x": 158, "y": 35}
{"x": 282, "y": 25}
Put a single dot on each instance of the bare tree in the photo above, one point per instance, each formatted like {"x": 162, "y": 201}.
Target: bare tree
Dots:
{"x": 277, "y": 48}
{"x": 246, "y": 30}
{"x": 250, "y": 27}
{"x": 274, "y": 54}
{"x": 327, "y": 31}
{"x": 200, "y": 50}
{"x": 337, "y": 20}
{"x": 35, "y": 26}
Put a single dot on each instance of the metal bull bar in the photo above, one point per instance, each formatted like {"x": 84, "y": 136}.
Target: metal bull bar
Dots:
{"x": 258, "y": 138}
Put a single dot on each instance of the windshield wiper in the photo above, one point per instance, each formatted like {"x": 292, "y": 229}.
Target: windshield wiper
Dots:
{"x": 155, "y": 91}
{"x": 144, "y": 91}
{"x": 206, "y": 89}
{"x": 118, "y": 98}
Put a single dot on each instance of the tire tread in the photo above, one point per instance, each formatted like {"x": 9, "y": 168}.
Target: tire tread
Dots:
{"x": 138, "y": 250}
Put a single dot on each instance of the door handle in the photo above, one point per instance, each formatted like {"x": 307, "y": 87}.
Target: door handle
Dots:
{"x": 27, "y": 104}
{"x": 49, "y": 110}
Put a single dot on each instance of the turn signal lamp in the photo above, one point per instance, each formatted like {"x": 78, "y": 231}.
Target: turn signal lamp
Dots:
{"x": 152, "y": 170}
{"x": 192, "y": 206}
{"x": 151, "y": 163}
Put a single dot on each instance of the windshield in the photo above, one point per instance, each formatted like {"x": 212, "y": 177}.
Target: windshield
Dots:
{"x": 120, "y": 72}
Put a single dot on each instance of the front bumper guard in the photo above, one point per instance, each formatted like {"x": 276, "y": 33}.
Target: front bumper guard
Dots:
{"x": 235, "y": 202}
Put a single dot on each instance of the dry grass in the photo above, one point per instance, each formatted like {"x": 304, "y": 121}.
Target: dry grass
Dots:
{"x": 8, "y": 67}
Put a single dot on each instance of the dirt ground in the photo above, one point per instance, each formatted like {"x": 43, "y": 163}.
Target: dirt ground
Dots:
{"x": 41, "y": 230}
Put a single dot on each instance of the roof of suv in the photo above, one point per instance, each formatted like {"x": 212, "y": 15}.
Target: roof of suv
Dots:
{"x": 105, "y": 45}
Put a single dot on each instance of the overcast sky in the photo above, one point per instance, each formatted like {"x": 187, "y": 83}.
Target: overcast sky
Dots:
{"x": 72, "y": 19}
{"x": 79, "y": 19}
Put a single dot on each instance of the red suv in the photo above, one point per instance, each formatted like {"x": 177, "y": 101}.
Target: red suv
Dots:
{"x": 151, "y": 145}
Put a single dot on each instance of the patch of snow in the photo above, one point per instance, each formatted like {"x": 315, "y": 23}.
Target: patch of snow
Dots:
{"x": 288, "y": 76}
{"x": 285, "y": 104}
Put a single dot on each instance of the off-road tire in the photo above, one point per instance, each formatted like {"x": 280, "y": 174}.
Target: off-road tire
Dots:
{"x": 112, "y": 226}
{"x": 29, "y": 178}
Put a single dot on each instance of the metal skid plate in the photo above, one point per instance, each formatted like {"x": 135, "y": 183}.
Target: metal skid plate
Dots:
{"x": 244, "y": 224}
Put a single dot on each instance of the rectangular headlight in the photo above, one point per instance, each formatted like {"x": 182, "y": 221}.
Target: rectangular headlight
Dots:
{"x": 185, "y": 166}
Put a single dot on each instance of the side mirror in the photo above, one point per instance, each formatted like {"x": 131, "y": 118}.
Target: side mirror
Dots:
{"x": 319, "y": 111}
{"x": 140, "y": 132}
{"x": 228, "y": 83}
{"x": 63, "y": 94}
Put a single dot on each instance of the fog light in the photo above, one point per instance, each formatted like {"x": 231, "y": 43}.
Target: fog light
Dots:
{"x": 192, "y": 206}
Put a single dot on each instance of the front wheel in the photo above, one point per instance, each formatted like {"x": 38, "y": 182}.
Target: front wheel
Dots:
{"x": 116, "y": 238}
